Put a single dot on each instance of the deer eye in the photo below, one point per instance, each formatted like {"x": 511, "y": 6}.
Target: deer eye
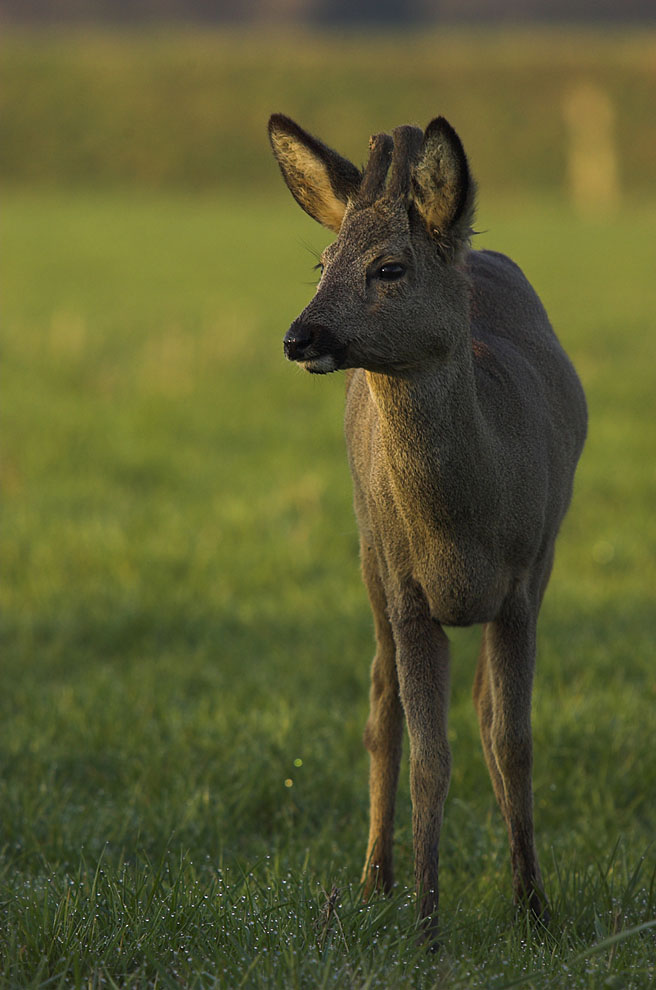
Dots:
{"x": 391, "y": 272}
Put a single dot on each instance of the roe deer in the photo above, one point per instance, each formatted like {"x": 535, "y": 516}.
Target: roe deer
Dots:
{"x": 464, "y": 424}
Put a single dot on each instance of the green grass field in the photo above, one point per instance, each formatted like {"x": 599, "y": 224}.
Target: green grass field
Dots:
{"x": 187, "y": 642}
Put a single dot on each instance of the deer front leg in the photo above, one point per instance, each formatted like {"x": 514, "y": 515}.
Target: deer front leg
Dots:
{"x": 423, "y": 667}
{"x": 383, "y": 739}
{"x": 505, "y": 682}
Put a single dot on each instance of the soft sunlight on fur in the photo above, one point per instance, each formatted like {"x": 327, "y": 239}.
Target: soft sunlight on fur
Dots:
{"x": 464, "y": 424}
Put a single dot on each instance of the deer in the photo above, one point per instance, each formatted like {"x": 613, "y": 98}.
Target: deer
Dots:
{"x": 464, "y": 423}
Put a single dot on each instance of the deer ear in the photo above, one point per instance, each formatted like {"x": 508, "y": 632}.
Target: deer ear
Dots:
{"x": 320, "y": 180}
{"x": 443, "y": 189}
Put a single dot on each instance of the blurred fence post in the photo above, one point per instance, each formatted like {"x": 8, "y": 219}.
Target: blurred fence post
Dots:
{"x": 593, "y": 176}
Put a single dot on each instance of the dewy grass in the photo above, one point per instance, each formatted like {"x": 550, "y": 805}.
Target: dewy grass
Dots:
{"x": 186, "y": 641}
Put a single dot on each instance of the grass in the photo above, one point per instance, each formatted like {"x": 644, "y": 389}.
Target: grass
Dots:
{"x": 186, "y": 639}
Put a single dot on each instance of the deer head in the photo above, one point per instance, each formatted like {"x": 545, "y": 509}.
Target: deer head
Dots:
{"x": 392, "y": 296}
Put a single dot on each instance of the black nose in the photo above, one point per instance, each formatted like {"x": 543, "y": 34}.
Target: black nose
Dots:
{"x": 297, "y": 341}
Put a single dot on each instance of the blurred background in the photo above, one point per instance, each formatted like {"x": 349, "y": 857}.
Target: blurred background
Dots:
{"x": 550, "y": 96}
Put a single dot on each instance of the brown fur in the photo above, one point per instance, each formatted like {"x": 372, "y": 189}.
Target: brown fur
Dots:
{"x": 464, "y": 424}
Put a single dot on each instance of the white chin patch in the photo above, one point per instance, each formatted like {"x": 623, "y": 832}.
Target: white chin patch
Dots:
{"x": 320, "y": 365}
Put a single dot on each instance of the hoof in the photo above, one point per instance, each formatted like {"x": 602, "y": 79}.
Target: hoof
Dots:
{"x": 427, "y": 938}
{"x": 536, "y": 906}
{"x": 376, "y": 880}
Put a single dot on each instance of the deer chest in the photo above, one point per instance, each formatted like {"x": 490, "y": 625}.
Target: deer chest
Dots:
{"x": 463, "y": 579}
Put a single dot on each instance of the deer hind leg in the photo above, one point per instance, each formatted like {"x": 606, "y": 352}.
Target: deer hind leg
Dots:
{"x": 484, "y": 706}
{"x": 423, "y": 666}
{"x": 502, "y": 691}
{"x": 383, "y": 738}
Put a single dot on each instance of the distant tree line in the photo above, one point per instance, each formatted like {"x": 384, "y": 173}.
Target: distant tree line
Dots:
{"x": 325, "y": 12}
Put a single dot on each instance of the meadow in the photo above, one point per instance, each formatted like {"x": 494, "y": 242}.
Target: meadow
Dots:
{"x": 186, "y": 640}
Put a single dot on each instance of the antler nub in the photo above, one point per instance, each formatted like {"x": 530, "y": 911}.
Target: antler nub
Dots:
{"x": 407, "y": 145}
{"x": 375, "y": 173}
